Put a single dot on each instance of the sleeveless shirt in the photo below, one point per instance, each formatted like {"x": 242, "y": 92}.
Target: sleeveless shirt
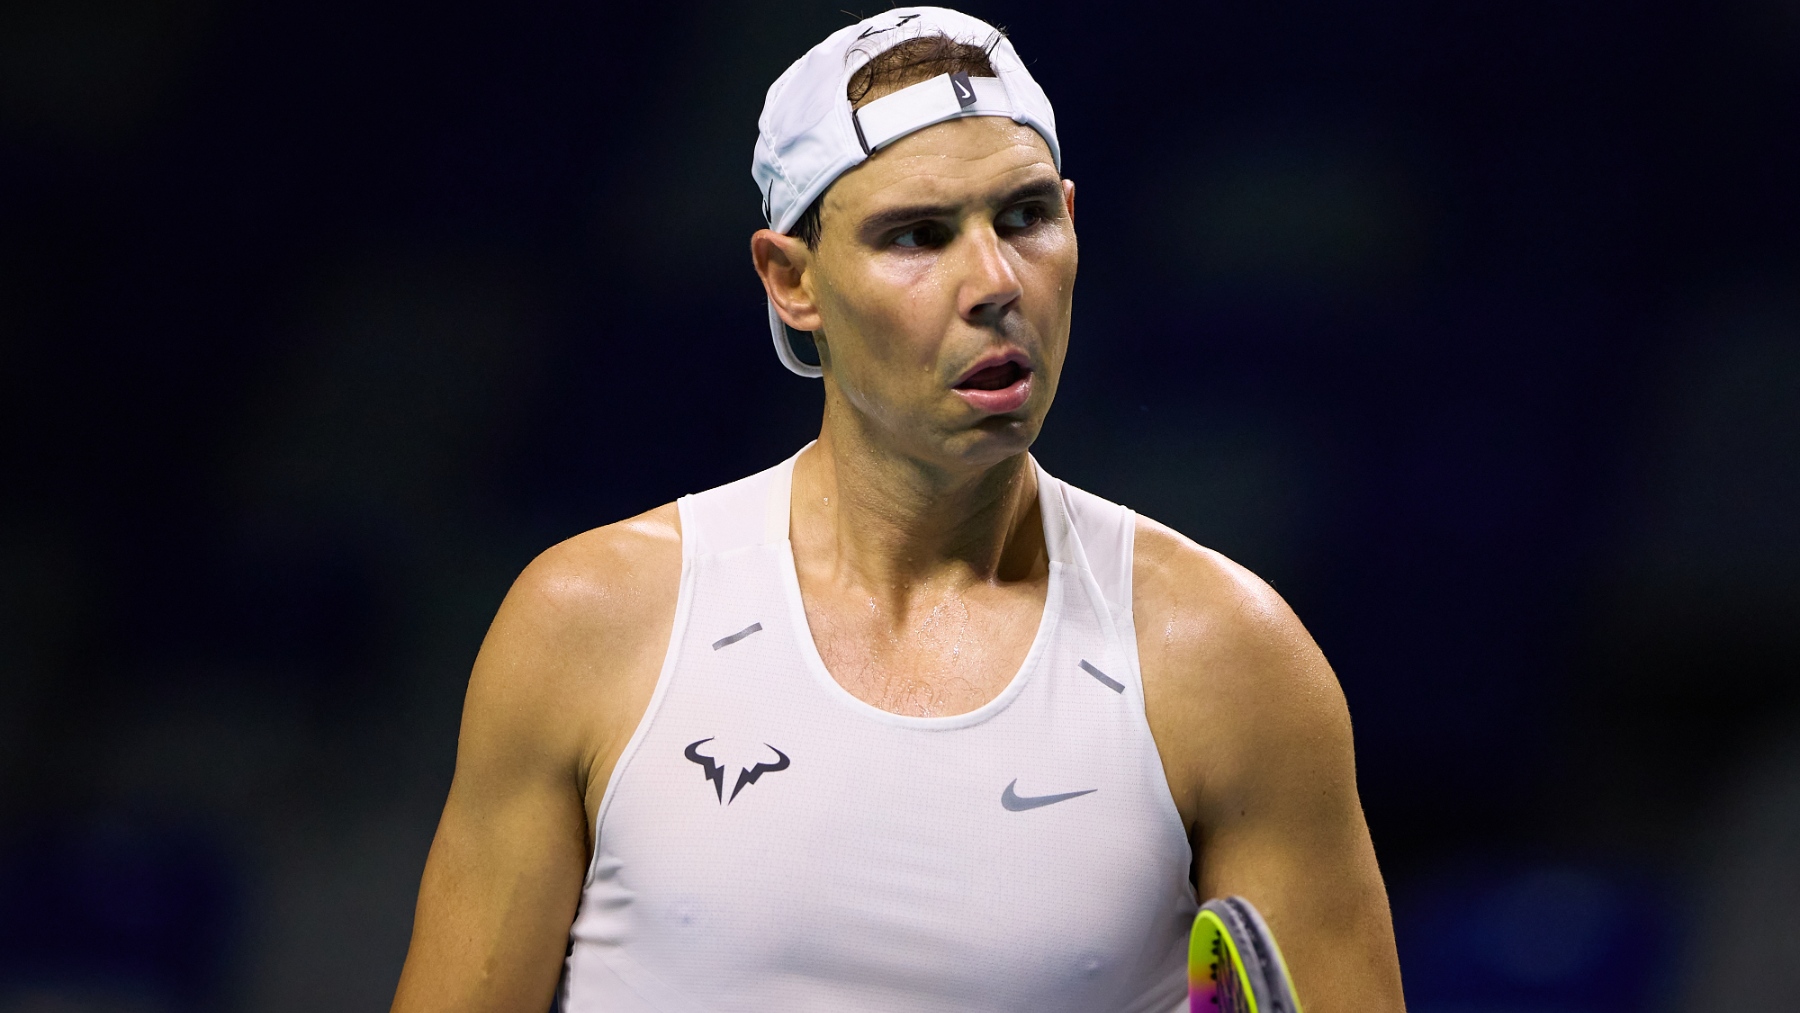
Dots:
{"x": 768, "y": 842}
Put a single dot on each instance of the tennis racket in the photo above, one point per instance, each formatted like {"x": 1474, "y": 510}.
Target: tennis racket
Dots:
{"x": 1233, "y": 963}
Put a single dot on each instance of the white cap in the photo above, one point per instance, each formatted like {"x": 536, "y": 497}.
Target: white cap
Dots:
{"x": 808, "y": 135}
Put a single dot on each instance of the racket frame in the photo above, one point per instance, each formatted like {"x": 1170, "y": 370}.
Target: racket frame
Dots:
{"x": 1248, "y": 949}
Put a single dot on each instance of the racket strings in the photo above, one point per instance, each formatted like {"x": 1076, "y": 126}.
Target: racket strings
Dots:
{"x": 1268, "y": 962}
{"x": 1234, "y": 965}
{"x": 1229, "y": 991}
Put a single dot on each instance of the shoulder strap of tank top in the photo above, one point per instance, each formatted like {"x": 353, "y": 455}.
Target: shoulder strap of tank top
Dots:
{"x": 738, "y": 515}
{"x": 778, "y": 500}
{"x": 1095, "y": 534}
{"x": 1061, "y": 542}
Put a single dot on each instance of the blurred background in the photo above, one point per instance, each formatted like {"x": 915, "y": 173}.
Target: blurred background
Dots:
{"x": 1473, "y": 327}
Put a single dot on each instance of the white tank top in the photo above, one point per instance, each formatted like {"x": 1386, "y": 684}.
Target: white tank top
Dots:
{"x": 769, "y": 843}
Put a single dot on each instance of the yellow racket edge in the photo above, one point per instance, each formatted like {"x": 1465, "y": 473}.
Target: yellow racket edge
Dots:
{"x": 1234, "y": 964}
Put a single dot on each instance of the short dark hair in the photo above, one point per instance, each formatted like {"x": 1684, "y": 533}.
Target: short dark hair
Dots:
{"x": 908, "y": 63}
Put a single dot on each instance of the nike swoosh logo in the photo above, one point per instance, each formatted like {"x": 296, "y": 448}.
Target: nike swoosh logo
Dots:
{"x": 961, "y": 92}
{"x": 1014, "y": 802}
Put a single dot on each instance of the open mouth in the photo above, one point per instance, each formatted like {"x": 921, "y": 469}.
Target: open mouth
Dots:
{"x": 998, "y": 377}
{"x": 998, "y": 388}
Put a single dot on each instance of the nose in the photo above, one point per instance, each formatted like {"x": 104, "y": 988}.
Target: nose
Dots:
{"x": 990, "y": 286}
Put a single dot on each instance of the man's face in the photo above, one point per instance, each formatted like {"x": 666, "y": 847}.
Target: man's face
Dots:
{"x": 943, "y": 281}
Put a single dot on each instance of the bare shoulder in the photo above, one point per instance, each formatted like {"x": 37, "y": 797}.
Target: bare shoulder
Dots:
{"x": 599, "y": 588}
{"x": 604, "y": 582}
{"x": 1231, "y": 676}
{"x": 573, "y": 653}
{"x": 1203, "y": 618}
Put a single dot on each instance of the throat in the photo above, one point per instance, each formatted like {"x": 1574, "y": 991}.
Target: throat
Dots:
{"x": 923, "y": 594}
{"x": 898, "y": 526}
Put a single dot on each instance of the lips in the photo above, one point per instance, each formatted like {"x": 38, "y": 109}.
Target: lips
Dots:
{"x": 997, "y": 385}
{"x": 995, "y": 377}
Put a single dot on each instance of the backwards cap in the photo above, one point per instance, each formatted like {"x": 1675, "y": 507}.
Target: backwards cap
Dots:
{"x": 808, "y": 135}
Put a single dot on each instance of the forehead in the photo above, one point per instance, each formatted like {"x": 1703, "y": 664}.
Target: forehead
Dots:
{"x": 969, "y": 159}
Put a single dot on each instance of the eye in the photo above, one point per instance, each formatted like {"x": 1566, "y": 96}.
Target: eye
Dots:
{"x": 1019, "y": 217}
{"x": 920, "y": 236}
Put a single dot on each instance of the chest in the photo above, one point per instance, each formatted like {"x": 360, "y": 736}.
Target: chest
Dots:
{"x": 852, "y": 873}
{"x": 770, "y": 831}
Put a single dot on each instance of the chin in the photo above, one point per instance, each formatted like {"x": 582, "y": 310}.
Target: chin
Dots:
{"x": 993, "y": 440}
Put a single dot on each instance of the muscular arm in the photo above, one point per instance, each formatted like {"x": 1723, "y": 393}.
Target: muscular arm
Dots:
{"x": 1256, "y": 740}
{"x": 562, "y": 678}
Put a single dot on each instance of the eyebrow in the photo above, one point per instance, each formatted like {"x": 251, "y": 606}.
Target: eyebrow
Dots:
{"x": 1038, "y": 189}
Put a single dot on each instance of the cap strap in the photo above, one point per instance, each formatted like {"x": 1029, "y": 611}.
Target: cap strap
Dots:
{"x": 915, "y": 107}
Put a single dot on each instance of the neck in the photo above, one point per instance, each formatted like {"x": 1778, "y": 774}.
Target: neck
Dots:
{"x": 890, "y": 523}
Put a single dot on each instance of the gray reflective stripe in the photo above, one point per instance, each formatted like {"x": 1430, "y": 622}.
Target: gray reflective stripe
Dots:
{"x": 1105, "y": 680}
{"x": 735, "y": 637}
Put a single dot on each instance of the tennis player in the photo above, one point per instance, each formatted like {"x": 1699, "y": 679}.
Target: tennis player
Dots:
{"x": 902, "y": 723}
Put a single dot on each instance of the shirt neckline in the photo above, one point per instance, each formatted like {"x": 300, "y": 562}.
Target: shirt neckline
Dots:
{"x": 780, "y": 505}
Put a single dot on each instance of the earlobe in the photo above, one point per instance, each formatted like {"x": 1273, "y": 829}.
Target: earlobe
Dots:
{"x": 782, "y": 262}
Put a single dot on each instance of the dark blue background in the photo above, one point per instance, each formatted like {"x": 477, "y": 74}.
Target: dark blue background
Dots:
{"x": 1472, "y": 327}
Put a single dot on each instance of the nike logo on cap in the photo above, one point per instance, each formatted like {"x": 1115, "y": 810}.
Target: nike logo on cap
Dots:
{"x": 1014, "y": 802}
{"x": 965, "y": 91}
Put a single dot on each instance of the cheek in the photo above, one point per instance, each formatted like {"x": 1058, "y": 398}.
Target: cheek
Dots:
{"x": 897, "y": 307}
{"x": 1052, "y": 251}
{"x": 1051, "y": 270}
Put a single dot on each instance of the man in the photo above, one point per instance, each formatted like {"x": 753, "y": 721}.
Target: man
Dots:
{"x": 903, "y": 723}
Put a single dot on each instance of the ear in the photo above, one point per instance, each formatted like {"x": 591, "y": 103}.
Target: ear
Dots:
{"x": 1069, "y": 197}
{"x": 784, "y": 265}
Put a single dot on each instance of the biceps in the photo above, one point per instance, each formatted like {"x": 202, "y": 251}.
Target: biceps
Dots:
{"x": 1319, "y": 875}
{"x": 1316, "y": 882}
{"x": 499, "y": 892}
